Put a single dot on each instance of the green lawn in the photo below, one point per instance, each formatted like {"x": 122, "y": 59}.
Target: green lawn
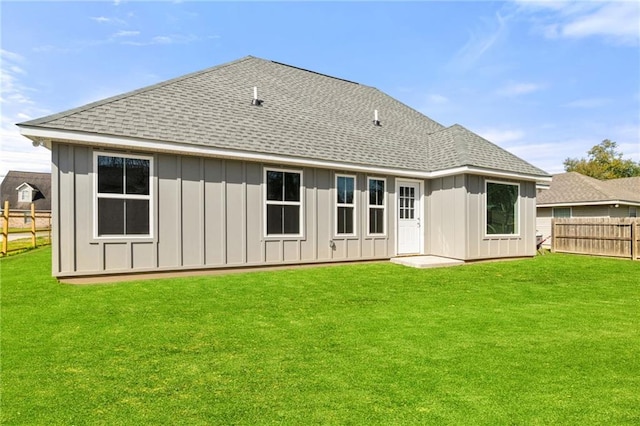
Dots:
{"x": 550, "y": 340}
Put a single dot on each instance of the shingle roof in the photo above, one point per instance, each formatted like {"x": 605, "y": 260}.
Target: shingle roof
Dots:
{"x": 39, "y": 181}
{"x": 575, "y": 188}
{"x": 304, "y": 114}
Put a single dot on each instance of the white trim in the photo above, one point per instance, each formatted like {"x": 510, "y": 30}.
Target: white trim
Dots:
{"x": 300, "y": 234}
{"x": 25, "y": 195}
{"x": 150, "y": 197}
{"x": 353, "y": 205}
{"x": 422, "y": 212}
{"x": 383, "y": 207}
{"x": 590, "y": 203}
{"x": 115, "y": 142}
{"x": 24, "y": 184}
{"x": 516, "y": 212}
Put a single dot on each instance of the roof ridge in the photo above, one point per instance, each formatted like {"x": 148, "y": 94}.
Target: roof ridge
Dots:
{"x": 125, "y": 95}
{"x": 316, "y": 72}
{"x": 595, "y": 184}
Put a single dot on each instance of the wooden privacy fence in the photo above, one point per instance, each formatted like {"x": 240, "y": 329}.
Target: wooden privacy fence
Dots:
{"x": 616, "y": 237}
{"x": 34, "y": 231}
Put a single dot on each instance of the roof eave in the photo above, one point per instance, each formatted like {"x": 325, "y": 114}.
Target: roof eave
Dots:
{"x": 589, "y": 203}
{"x": 44, "y": 135}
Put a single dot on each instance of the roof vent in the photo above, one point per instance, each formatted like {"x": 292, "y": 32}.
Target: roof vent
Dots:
{"x": 376, "y": 122}
{"x": 255, "y": 101}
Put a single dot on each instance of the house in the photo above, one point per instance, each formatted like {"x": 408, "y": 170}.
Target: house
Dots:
{"x": 255, "y": 162}
{"x": 22, "y": 189}
{"x": 575, "y": 195}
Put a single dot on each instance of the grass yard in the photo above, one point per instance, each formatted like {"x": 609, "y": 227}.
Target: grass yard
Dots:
{"x": 550, "y": 340}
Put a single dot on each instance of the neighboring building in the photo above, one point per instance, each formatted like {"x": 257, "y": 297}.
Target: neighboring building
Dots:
{"x": 575, "y": 195}
{"x": 23, "y": 188}
{"x": 256, "y": 162}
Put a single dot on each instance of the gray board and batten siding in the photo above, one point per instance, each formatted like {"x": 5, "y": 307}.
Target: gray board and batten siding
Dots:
{"x": 209, "y": 214}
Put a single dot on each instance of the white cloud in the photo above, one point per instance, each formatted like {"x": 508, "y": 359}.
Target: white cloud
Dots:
{"x": 16, "y": 151}
{"x": 480, "y": 42}
{"x": 501, "y": 136}
{"x": 616, "y": 22}
{"x": 100, "y": 19}
{"x": 165, "y": 40}
{"x": 437, "y": 99}
{"x": 516, "y": 89}
{"x": 588, "y": 103}
{"x": 107, "y": 20}
{"x": 126, "y": 33}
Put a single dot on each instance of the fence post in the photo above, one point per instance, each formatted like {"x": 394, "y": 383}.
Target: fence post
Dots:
{"x": 553, "y": 235}
{"x": 33, "y": 225}
{"x": 5, "y": 227}
{"x": 634, "y": 239}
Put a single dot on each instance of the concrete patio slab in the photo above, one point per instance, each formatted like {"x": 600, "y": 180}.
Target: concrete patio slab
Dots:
{"x": 426, "y": 261}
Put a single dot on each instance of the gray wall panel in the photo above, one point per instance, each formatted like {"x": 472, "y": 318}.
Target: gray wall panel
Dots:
{"x": 214, "y": 213}
{"x": 192, "y": 212}
{"x": 116, "y": 256}
{"x": 324, "y": 183}
{"x": 235, "y": 212}
{"x": 273, "y": 251}
{"x": 291, "y": 251}
{"x": 89, "y": 258}
{"x": 66, "y": 205}
{"x": 446, "y": 220}
{"x": 169, "y": 239}
{"x": 55, "y": 213}
{"x": 142, "y": 255}
{"x": 253, "y": 214}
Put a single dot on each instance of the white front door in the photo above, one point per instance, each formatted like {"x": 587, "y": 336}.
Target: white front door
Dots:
{"x": 409, "y": 231}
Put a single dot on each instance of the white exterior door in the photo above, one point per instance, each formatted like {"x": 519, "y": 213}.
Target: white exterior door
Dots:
{"x": 409, "y": 217}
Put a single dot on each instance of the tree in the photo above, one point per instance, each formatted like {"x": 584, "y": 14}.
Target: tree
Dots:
{"x": 604, "y": 162}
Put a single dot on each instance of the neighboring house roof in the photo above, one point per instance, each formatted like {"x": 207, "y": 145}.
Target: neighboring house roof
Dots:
{"x": 573, "y": 188}
{"x": 304, "y": 115}
{"x": 40, "y": 182}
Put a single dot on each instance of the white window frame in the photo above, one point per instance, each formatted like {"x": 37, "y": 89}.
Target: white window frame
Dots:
{"x": 516, "y": 212}
{"x": 25, "y": 195}
{"x": 352, "y": 205}
{"x": 553, "y": 211}
{"x": 382, "y": 207}
{"x": 97, "y": 196}
{"x": 266, "y": 202}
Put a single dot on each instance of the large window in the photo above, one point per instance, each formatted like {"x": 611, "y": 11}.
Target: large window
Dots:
{"x": 502, "y": 208}
{"x": 376, "y": 206}
{"x": 345, "y": 205}
{"x": 123, "y": 193}
{"x": 283, "y": 201}
{"x": 560, "y": 212}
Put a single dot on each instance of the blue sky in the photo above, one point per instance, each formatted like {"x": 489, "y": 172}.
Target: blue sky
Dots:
{"x": 545, "y": 80}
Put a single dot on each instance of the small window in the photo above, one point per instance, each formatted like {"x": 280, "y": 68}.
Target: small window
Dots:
{"x": 376, "y": 217}
{"x": 560, "y": 212}
{"x": 283, "y": 202}
{"x": 502, "y": 208}
{"x": 633, "y": 211}
{"x": 345, "y": 205}
{"x": 123, "y": 192}
{"x": 24, "y": 195}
